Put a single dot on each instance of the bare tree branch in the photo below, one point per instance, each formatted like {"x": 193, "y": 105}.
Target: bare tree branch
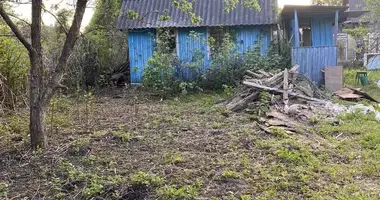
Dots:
{"x": 56, "y": 18}
{"x": 16, "y": 17}
{"x": 15, "y": 29}
{"x": 55, "y": 75}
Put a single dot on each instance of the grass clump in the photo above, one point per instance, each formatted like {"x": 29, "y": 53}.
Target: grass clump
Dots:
{"x": 371, "y": 141}
{"x": 121, "y": 135}
{"x": 186, "y": 192}
{"x": 245, "y": 197}
{"x": 229, "y": 174}
{"x": 173, "y": 158}
{"x": 80, "y": 147}
{"x": 216, "y": 125}
{"x": 142, "y": 178}
{"x": 69, "y": 177}
{"x": 296, "y": 155}
{"x": 278, "y": 132}
{"x": 3, "y": 190}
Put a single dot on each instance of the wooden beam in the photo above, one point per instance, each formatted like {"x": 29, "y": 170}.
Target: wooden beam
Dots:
{"x": 278, "y": 91}
{"x": 296, "y": 29}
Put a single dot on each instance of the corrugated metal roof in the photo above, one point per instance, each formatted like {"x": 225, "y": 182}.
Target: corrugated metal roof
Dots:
{"x": 211, "y": 11}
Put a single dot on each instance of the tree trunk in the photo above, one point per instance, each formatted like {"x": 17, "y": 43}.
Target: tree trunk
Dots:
{"x": 36, "y": 124}
{"x": 39, "y": 93}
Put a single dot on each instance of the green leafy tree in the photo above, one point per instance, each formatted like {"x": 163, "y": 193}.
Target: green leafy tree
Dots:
{"x": 328, "y": 2}
{"x": 14, "y": 67}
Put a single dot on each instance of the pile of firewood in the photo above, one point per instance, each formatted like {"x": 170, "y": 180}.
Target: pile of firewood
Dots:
{"x": 285, "y": 83}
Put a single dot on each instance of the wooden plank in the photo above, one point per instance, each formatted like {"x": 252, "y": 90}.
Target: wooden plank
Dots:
{"x": 278, "y": 91}
{"x": 285, "y": 95}
{"x": 334, "y": 78}
{"x": 286, "y": 85}
{"x": 240, "y": 103}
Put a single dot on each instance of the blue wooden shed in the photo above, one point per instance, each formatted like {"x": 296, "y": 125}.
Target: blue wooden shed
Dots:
{"x": 249, "y": 25}
{"x": 313, "y": 31}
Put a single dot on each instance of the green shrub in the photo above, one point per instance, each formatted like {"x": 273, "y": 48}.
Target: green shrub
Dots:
{"x": 142, "y": 178}
{"x": 14, "y": 66}
{"x": 164, "y": 73}
{"x": 229, "y": 65}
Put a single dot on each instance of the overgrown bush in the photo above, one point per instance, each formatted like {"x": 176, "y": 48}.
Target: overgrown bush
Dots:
{"x": 229, "y": 65}
{"x": 163, "y": 73}
{"x": 159, "y": 74}
{"x": 14, "y": 66}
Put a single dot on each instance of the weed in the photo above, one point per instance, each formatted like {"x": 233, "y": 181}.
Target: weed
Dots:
{"x": 371, "y": 140}
{"x": 186, "y": 192}
{"x": 142, "y": 178}
{"x": 228, "y": 90}
{"x": 3, "y": 190}
{"x": 80, "y": 147}
{"x": 245, "y": 197}
{"x": 173, "y": 158}
{"x": 261, "y": 107}
{"x": 229, "y": 174}
{"x": 216, "y": 125}
{"x": 278, "y": 132}
{"x": 100, "y": 133}
{"x": 295, "y": 154}
{"x": 69, "y": 177}
{"x": 121, "y": 135}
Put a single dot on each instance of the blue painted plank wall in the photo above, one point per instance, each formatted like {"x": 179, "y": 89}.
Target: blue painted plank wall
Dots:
{"x": 249, "y": 36}
{"x": 141, "y": 47}
{"x": 322, "y": 31}
{"x": 193, "y": 46}
{"x": 314, "y": 59}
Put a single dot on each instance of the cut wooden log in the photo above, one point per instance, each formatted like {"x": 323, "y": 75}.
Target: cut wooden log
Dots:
{"x": 278, "y": 91}
{"x": 274, "y": 79}
{"x": 253, "y": 74}
{"x": 294, "y": 69}
{"x": 266, "y": 74}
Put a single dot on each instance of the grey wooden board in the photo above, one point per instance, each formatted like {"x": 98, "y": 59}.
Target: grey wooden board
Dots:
{"x": 334, "y": 78}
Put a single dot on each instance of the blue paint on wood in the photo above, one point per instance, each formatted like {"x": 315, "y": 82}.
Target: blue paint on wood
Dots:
{"x": 250, "y": 36}
{"x": 314, "y": 59}
{"x": 192, "y": 47}
{"x": 141, "y": 47}
{"x": 291, "y": 32}
{"x": 322, "y": 31}
{"x": 296, "y": 29}
{"x": 373, "y": 63}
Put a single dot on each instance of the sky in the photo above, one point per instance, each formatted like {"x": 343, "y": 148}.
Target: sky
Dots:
{"x": 25, "y": 11}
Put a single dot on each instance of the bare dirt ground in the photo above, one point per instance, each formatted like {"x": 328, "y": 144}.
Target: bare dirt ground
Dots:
{"x": 128, "y": 145}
